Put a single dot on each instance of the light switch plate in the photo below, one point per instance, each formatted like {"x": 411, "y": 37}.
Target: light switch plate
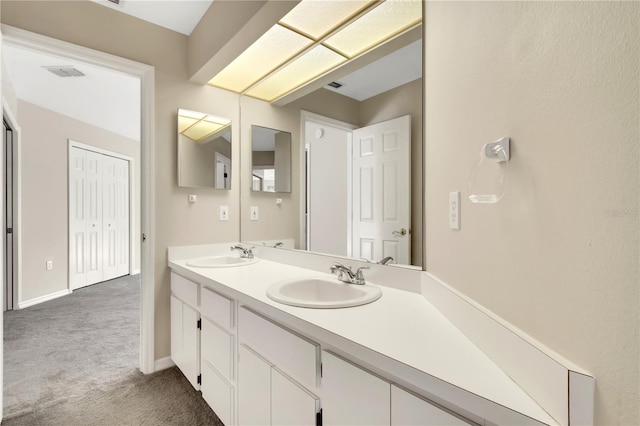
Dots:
{"x": 192, "y": 198}
{"x": 224, "y": 213}
{"x": 454, "y": 210}
{"x": 49, "y": 265}
{"x": 254, "y": 212}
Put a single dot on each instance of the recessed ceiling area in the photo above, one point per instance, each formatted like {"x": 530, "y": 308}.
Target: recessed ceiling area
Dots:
{"x": 104, "y": 98}
{"x": 178, "y": 15}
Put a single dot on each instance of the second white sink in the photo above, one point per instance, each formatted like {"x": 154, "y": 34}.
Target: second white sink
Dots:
{"x": 319, "y": 292}
{"x": 220, "y": 261}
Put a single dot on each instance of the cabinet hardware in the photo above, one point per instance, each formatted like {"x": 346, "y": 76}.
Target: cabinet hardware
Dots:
{"x": 319, "y": 418}
{"x": 199, "y": 379}
{"x": 199, "y": 324}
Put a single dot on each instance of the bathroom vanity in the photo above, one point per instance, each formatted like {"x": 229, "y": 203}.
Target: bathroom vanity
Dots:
{"x": 396, "y": 360}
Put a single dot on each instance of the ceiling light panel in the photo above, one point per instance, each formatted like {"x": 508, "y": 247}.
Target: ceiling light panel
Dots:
{"x": 378, "y": 25}
{"x": 191, "y": 114}
{"x": 185, "y": 122}
{"x": 317, "y": 18}
{"x": 271, "y": 50}
{"x": 313, "y": 63}
{"x": 201, "y": 130}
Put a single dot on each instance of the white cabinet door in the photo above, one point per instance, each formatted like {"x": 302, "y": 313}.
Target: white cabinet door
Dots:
{"x": 291, "y": 404}
{"x": 254, "y": 389}
{"x": 185, "y": 340}
{"x": 216, "y": 348}
{"x": 218, "y": 393}
{"x": 352, "y": 396}
{"x": 408, "y": 409}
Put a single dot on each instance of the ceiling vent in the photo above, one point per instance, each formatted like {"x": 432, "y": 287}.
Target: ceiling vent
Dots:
{"x": 65, "y": 71}
{"x": 114, "y": 1}
{"x": 335, "y": 85}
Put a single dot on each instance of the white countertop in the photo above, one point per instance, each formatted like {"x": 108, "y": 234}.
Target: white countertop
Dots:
{"x": 401, "y": 325}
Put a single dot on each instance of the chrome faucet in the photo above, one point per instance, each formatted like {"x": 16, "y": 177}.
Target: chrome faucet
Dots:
{"x": 346, "y": 275}
{"x": 246, "y": 253}
{"x": 278, "y": 244}
{"x": 385, "y": 261}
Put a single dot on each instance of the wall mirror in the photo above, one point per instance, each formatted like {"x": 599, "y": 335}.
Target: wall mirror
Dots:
{"x": 204, "y": 150}
{"x": 332, "y": 128}
{"x": 270, "y": 160}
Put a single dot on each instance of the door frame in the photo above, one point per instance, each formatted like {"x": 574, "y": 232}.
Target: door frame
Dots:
{"x": 132, "y": 193}
{"x": 9, "y": 115}
{"x": 146, "y": 73}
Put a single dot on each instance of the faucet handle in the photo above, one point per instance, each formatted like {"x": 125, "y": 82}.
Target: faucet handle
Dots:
{"x": 359, "y": 276}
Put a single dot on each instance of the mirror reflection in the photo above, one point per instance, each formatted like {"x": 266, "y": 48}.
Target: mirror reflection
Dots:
{"x": 204, "y": 150}
{"x": 357, "y": 165}
{"x": 270, "y": 160}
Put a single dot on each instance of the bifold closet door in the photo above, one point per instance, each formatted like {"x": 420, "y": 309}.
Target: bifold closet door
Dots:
{"x": 98, "y": 217}
{"x": 115, "y": 222}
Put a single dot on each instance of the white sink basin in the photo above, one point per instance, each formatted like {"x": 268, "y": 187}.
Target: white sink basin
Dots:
{"x": 220, "y": 261}
{"x": 320, "y": 292}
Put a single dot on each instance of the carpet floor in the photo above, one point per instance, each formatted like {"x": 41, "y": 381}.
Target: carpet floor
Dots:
{"x": 74, "y": 361}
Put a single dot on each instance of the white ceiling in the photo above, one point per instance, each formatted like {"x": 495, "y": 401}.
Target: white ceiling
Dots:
{"x": 178, "y": 15}
{"x": 104, "y": 98}
{"x": 394, "y": 70}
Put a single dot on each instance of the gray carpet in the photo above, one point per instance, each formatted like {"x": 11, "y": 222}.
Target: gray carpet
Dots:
{"x": 74, "y": 361}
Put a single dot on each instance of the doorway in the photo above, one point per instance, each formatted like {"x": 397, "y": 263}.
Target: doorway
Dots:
{"x": 145, "y": 73}
{"x": 10, "y": 279}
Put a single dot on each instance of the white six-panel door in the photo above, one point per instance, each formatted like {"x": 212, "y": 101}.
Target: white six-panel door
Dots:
{"x": 98, "y": 217}
{"x": 381, "y": 191}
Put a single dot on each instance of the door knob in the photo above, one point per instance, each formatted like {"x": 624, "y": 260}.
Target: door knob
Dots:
{"x": 401, "y": 233}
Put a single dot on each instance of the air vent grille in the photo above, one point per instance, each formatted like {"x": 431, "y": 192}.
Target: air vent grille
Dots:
{"x": 66, "y": 71}
{"x": 335, "y": 85}
{"x": 114, "y": 1}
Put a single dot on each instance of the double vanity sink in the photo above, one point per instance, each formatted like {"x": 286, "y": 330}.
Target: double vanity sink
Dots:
{"x": 306, "y": 292}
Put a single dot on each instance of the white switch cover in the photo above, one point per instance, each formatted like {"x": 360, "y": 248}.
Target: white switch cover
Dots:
{"x": 454, "y": 210}
{"x": 254, "y": 212}
{"x": 224, "y": 213}
{"x": 49, "y": 265}
{"x": 278, "y": 201}
{"x": 192, "y": 198}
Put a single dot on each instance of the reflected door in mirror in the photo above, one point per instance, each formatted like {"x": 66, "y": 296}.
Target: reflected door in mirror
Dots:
{"x": 270, "y": 159}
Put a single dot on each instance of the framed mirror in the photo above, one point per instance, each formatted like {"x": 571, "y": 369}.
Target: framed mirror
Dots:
{"x": 204, "y": 150}
{"x": 270, "y": 160}
{"x": 335, "y": 122}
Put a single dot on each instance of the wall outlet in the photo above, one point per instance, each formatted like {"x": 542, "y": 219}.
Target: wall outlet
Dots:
{"x": 224, "y": 213}
{"x": 192, "y": 198}
{"x": 49, "y": 265}
{"x": 454, "y": 210}
{"x": 254, "y": 212}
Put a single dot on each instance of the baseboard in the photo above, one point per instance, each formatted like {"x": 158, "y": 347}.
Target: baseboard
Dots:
{"x": 41, "y": 299}
{"x": 163, "y": 363}
{"x": 560, "y": 387}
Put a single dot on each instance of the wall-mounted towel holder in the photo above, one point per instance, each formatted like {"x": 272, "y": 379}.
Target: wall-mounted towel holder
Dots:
{"x": 480, "y": 193}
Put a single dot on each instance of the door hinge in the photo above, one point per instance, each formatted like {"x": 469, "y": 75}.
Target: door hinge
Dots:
{"x": 319, "y": 418}
{"x": 9, "y": 230}
{"x": 199, "y": 379}
{"x": 144, "y": 237}
{"x": 320, "y": 370}
{"x": 199, "y": 324}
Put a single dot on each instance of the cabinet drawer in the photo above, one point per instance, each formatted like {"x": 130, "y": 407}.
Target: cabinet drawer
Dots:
{"x": 184, "y": 289}
{"x": 293, "y": 354}
{"x": 218, "y": 393}
{"x": 217, "y": 348}
{"x": 217, "y": 308}
{"x": 408, "y": 409}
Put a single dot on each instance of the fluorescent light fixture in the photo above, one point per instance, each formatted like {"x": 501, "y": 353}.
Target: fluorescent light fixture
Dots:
{"x": 313, "y": 63}
{"x": 270, "y": 51}
{"x": 313, "y": 38}
{"x": 198, "y": 126}
{"x": 380, "y": 24}
{"x": 318, "y": 17}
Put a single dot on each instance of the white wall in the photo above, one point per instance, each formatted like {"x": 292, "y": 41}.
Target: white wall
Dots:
{"x": 558, "y": 256}
{"x": 328, "y": 189}
{"x": 44, "y": 196}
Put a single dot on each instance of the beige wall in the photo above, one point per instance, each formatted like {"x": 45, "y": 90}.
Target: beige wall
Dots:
{"x": 43, "y": 174}
{"x": 8, "y": 92}
{"x": 404, "y": 100}
{"x": 97, "y": 27}
{"x": 558, "y": 256}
